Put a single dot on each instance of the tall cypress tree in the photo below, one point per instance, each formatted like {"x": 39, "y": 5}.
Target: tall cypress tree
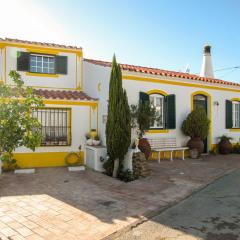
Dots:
{"x": 118, "y": 127}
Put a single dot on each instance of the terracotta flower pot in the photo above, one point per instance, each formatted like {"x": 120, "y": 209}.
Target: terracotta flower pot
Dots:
{"x": 225, "y": 147}
{"x": 144, "y": 147}
{"x": 196, "y": 143}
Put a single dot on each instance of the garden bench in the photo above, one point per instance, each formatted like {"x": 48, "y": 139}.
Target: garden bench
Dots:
{"x": 166, "y": 145}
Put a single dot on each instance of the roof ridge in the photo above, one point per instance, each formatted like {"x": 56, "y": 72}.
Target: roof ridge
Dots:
{"x": 163, "y": 72}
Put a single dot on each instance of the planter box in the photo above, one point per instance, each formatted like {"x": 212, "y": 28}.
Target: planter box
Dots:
{"x": 76, "y": 168}
{"x": 25, "y": 171}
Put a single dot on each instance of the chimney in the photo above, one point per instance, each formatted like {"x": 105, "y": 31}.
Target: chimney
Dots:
{"x": 207, "y": 68}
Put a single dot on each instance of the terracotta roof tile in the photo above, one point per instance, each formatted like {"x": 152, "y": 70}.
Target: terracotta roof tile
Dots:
{"x": 40, "y": 43}
{"x": 161, "y": 72}
{"x": 63, "y": 95}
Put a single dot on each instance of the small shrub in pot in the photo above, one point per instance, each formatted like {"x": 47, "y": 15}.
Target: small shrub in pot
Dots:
{"x": 225, "y": 146}
{"x": 196, "y": 126}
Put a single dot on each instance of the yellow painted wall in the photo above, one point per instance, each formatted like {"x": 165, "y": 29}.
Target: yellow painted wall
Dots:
{"x": 43, "y": 159}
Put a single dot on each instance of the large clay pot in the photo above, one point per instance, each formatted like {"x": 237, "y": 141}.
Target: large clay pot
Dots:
{"x": 225, "y": 146}
{"x": 144, "y": 147}
{"x": 196, "y": 143}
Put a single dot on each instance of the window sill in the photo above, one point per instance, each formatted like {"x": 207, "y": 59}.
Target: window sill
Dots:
{"x": 157, "y": 131}
{"x": 234, "y": 130}
{"x": 42, "y": 75}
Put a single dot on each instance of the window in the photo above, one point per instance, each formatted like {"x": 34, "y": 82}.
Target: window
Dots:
{"x": 42, "y": 63}
{"x": 157, "y": 100}
{"x": 236, "y": 114}
{"x": 56, "y": 129}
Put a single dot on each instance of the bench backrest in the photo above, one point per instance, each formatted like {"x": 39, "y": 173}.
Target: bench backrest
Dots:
{"x": 162, "y": 142}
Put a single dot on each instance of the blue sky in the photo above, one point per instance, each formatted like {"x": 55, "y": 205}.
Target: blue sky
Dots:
{"x": 166, "y": 34}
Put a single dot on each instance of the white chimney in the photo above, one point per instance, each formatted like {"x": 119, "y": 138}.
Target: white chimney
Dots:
{"x": 207, "y": 68}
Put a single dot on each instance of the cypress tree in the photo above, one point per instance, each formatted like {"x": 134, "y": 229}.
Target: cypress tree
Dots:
{"x": 118, "y": 127}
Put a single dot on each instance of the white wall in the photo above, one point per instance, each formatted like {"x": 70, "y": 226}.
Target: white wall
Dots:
{"x": 80, "y": 126}
{"x": 62, "y": 81}
{"x": 94, "y": 75}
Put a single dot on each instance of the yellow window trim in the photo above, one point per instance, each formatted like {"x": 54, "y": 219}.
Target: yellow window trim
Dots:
{"x": 42, "y": 49}
{"x": 235, "y": 99}
{"x": 209, "y": 113}
{"x": 157, "y": 131}
{"x": 156, "y": 91}
{"x": 42, "y": 75}
{"x": 170, "y": 82}
{"x": 63, "y": 102}
{"x": 234, "y": 130}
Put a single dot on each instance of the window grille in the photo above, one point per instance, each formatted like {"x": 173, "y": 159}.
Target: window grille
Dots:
{"x": 55, "y": 126}
{"x": 42, "y": 63}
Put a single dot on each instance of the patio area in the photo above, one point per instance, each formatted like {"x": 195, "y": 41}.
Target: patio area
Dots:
{"x": 56, "y": 204}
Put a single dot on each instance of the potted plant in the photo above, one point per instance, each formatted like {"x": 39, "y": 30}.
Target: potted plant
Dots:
{"x": 196, "y": 126}
{"x": 141, "y": 117}
{"x": 96, "y": 140}
{"x": 224, "y": 145}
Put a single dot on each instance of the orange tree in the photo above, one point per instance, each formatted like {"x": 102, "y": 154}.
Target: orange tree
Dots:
{"x": 18, "y": 127}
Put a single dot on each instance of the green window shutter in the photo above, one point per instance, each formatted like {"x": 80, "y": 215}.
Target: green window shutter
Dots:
{"x": 229, "y": 114}
{"x": 22, "y": 61}
{"x": 143, "y": 96}
{"x": 170, "y": 111}
{"x": 61, "y": 64}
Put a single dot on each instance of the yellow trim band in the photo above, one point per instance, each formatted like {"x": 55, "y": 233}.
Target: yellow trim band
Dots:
{"x": 43, "y": 159}
{"x": 60, "y": 102}
{"x": 43, "y": 49}
{"x": 42, "y": 75}
{"x": 170, "y": 82}
{"x": 157, "y": 131}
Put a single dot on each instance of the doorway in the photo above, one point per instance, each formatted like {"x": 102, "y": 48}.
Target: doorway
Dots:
{"x": 202, "y": 101}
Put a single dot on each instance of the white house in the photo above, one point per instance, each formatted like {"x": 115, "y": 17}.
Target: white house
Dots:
{"x": 75, "y": 92}
{"x": 174, "y": 94}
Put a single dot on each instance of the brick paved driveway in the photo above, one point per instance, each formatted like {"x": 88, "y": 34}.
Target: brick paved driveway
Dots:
{"x": 56, "y": 204}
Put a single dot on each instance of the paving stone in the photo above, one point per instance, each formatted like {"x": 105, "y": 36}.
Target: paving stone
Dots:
{"x": 54, "y": 203}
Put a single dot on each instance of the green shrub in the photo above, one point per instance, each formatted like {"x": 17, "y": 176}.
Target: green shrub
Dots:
{"x": 197, "y": 124}
{"x": 9, "y": 163}
{"x": 126, "y": 176}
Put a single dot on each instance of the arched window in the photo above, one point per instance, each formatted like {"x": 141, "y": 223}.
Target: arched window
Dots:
{"x": 236, "y": 114}
{"x": 157, "y": 100}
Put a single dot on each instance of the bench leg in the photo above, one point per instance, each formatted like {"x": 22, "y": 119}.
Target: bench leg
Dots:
{"x": 159, "y": 157}
{"x": 183, "y": 155}
{"x": 171, "y": 156}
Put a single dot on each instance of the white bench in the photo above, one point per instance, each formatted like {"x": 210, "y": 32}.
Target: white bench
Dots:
{"x": 165, "y": 145}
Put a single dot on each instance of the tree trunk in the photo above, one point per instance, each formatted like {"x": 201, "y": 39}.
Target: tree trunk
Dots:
{"x": 115, "y": 169}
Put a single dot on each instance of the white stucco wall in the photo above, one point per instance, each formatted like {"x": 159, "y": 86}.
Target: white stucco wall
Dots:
{"x": 95, "y": 75}
{"x": 62, "y": 81}
{"x": 80, "y": 125}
